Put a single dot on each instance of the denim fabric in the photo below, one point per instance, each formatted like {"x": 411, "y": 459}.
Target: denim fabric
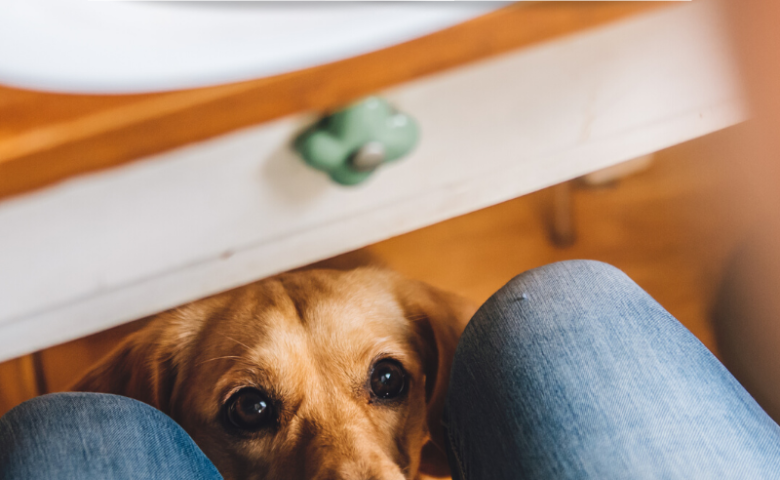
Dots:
{"x": 572, "y": 371}
{"x": 90, "y": 436}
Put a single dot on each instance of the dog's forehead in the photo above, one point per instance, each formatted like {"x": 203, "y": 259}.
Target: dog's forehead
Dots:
{"x": 290, "y": 330}
{"x": 325, "y": 309}
{"x": 316, "y": 297}
{"x": 328, "y": 305}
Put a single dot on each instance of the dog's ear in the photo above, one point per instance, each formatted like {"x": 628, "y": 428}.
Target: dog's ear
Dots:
{"x": 440, "y": 318}
{"x": 144, "y": 366}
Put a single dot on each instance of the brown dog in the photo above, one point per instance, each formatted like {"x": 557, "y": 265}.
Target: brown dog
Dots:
{"x": 321, "y": 374}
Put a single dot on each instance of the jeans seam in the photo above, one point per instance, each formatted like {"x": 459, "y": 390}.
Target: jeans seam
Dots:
{"x": 458, "y": 462}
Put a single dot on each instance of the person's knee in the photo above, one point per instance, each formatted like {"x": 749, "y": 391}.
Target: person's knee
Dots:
{"x": 553, "y": 296}
{"x": 75, "y": 402}
{"x": 557, "y": 354}
{"x": 556, "y": 312}
{"x": 94, "y": 435}
{"x": 565, "y": 281}
{"x": 49, "y": 417}
{"x": 74, "y": 406}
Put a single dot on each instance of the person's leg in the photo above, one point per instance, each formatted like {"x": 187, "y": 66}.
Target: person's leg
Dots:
{"x": 572, "y": 371}
{"x": 90, "y": 436}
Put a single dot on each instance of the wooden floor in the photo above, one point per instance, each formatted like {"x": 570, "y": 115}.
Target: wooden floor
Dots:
{"x": 670, "y": 228}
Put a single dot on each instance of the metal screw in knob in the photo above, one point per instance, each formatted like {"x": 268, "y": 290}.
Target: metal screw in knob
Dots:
{"x": 368, "y": 157}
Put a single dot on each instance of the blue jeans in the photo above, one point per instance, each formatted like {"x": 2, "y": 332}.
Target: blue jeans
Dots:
{"x": 569, "y": 371}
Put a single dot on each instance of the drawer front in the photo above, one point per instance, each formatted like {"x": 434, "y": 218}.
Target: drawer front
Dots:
{"x": 107, "y": 248}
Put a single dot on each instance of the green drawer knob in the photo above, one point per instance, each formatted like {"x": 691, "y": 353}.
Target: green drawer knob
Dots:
{"x": 352, "y": 143}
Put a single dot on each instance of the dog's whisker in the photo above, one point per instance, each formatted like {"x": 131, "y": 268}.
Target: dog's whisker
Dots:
{"x": 220, "y": 358}
{"x": 234, "y": 340}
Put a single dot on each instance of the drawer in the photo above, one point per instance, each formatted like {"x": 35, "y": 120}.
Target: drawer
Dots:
{"x": 110, "y": 247}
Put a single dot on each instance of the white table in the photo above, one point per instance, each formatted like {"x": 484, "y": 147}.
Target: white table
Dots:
{"x": 107, "y": 248}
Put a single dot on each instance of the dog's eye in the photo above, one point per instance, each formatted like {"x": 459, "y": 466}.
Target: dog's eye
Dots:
{"x": 249, "y": 409}
{"x": 388, "y": 379}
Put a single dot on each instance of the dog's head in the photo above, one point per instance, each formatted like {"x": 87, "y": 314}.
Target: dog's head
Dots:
{"x": 320, "y": 375}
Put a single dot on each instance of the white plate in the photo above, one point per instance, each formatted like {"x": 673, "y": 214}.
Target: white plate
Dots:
{"x": 124, "y": 47}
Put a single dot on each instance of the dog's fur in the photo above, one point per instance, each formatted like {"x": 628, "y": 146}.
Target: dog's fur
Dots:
{"x": 310, "y": 339}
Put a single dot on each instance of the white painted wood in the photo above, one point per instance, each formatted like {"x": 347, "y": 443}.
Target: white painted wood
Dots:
{"x": 107, "y": 248}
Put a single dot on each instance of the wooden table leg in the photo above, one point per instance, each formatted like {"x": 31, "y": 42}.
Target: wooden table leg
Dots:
{"x": 40, "y": 375}
{"x": 562, "y": 232}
